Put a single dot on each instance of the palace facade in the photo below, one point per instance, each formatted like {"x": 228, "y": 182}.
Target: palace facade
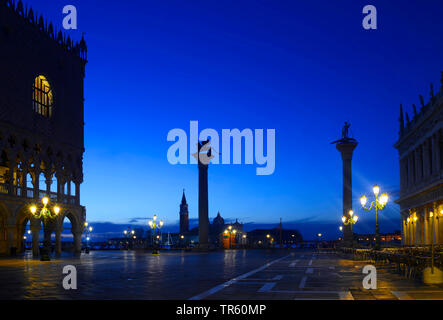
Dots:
{"x": 420, "y": 148}
{"x": 41, "y": 127}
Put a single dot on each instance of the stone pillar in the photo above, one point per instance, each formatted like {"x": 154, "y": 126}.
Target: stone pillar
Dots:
{"x": 418, "y": 176}
{"x": 77, "y": 241}
{"x": 425, "y": 163}
{"x": 203, "y": 206}
{"x": 60, "y": 187}
{"x": 25, "y": 181}
{"x": 77, "y": 193}
{"x": 48, "y": 177}
{"x": 420, "y": 229}
{"x": 36, "y": 182}
{"x": 433, "y": 155}
{"x": 58, "y": 240}
{"x": 346, "y": 149}
{"x": 410, "y": 171}
{"x": 11, "y": 180}
{"x": 68, "y": 190}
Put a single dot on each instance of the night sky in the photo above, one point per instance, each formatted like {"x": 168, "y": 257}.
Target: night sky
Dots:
{"x": 299, "y": 67}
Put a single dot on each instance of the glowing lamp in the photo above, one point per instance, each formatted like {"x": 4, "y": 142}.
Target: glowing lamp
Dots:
{"x": 384, "y": 198}
{"x": 376, "y": 190}
{"x": 363, "y": 200}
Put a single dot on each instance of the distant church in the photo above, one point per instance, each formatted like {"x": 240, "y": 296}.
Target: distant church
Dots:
{"x": 216, "y": 229}
{"x": 41, "y": 127}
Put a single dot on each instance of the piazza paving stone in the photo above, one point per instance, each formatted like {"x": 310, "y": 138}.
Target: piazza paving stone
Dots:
{"x": 226, "y": 275}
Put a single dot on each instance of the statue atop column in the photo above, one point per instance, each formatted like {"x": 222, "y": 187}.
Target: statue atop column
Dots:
{"x": 345, "y": 138}
{"x": 346, "y": 146}
{"x": 204, "y": 156}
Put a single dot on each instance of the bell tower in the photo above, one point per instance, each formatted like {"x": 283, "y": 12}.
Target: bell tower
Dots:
{"x": 184, "y": 215}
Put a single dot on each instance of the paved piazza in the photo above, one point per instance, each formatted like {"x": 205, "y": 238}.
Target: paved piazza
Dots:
{"x": 241, "y": 274}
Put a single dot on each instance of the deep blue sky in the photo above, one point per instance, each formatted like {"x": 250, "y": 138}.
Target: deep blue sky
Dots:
{"x": 299, "y": 67}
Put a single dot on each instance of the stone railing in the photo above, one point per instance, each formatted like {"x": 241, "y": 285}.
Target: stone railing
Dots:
{"x": 18, "y": 191}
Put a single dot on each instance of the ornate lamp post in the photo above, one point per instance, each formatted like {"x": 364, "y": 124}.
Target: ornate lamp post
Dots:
{"x": 127, "y": 233}
{"x": 45, "y": 213}
{"x": 378, "y": 204}
{"x": 351, "y": 220}
{"x": 154, "y": 225}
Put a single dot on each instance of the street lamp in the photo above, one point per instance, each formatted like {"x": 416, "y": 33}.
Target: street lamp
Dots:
{"x": 44, "y": 212}
{"x": 378, "y": 204}
{"x": 88, "y": 230}
{"x": 319, "y": 240}
{"x": 350, "y": 221}
{"x": 154, "y": 225}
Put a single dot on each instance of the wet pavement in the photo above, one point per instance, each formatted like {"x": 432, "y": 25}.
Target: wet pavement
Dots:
{"x": 239, "y": 274}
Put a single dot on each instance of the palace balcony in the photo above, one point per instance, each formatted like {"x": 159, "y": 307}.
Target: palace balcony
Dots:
{"x": 29, "y": 193}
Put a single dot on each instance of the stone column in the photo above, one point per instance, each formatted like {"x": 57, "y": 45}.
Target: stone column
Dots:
{"x": 36, "y": 182}
{"x": 433, "y": 154}
{"x": 346, "y": 149}
{"x": 410, "y": 171}
{"x": 25, "y": 181}
{"x": 77, "y": 193}
{"x": 68, "y": 181}
{"x": 418, "y": 176}
{"x": 77, "y": 241}
{"x": 424, "y": 149}
{"x": 203, "y": 206}
{"x": 11, "y": 180}
{"x": 58, "y": 240}
{"x": 420, "y": 229}
{"x": 48, "y": 177}
{"x": 60, "y": 187}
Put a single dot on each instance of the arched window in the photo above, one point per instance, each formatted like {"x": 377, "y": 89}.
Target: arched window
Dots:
{"x": 42, "y": 98}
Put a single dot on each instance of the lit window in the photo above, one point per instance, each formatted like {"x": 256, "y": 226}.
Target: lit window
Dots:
{"x": 42, "y": 98}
